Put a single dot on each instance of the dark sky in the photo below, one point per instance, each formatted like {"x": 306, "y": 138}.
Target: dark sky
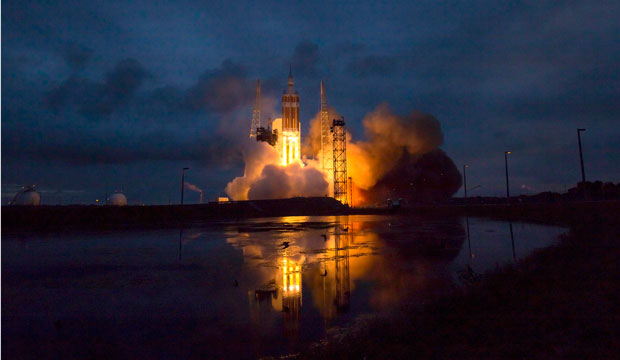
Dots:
{"x": 105, "y": 95}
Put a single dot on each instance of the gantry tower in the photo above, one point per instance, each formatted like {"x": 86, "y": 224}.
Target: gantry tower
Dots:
{"x": 339, "y": 134}
{"x": 327, "y": 139}
{"x": 256, "y": 112}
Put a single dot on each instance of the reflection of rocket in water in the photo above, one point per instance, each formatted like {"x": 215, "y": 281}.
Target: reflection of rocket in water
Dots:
{"x": 291, "y": 295}
{"x": 284, "y": 295}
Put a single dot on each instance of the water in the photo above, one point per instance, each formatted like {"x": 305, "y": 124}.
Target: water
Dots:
{"x": 235, "y": 289}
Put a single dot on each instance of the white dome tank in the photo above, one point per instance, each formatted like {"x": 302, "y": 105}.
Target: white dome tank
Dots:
{"x": 27, "y": 197}
{"x": 117, "y": 199}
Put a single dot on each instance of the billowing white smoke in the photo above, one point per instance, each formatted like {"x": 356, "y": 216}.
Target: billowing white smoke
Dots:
{"x": 265, "y": 178}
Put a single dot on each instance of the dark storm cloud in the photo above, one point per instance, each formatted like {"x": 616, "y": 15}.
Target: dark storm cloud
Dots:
{"x": 220, "y": 90}
{"x": 73, "y": 90}
{"x": 159, "y": 146}
{"x": 67, "y": 141}
{"x": 305, "y": 59}
{"x": 76, "y": 55}
{"x": 99, "y": 100}
{"x": 373, "y": 65}
{"x": 591, "y": 93}
{"x": 166, "y": 101}
{"x": 118, "y": 88}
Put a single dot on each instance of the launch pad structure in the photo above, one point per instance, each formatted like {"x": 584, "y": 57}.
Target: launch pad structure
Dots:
{"x": 256, "y": 130}
{"x": 327, "y": 158}
{"x": 339, "y": 145}
{"x": 284, "y": 134}
{"x": 255, "y": 125}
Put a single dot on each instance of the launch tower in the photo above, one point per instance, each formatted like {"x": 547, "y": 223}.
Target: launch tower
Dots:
{"x": 339, "y": 134}
{"x": 326, "y": 137}
{"x": 256, "y": 112}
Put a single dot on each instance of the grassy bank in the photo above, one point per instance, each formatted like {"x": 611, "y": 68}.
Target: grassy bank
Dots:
{"x": 560, "y": 302}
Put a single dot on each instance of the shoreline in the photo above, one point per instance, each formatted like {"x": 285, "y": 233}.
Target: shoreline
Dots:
{"x": 560, "y": 301}
{"x": 16, "y": 219}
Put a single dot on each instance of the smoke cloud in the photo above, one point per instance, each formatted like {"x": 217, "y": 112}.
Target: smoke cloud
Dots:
{"x": 311, "y": 147}
{"x": 387, "y": 135}
{"x": 416, "y": 178}
{"x": 399, "y": 158}
{"x": 192, "y": 187}
{"x": 264, "y": 178}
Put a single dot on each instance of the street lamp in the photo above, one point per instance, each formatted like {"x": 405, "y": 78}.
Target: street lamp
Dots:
{"x": 507, "y": 184}
{"x": 583, "y": 173}
{"x": 465, "y": 180}
{"x": 183, "y": 183}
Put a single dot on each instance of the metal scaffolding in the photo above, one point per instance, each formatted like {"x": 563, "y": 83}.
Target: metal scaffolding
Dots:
{"x": 339, "y": 134}
{"x": 350, "y": 192}
{"x": 326, "y": 136}
{"x": 256, "y": 112}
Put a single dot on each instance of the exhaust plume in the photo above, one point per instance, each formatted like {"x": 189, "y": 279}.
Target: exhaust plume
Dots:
{"x": 399, "y": 158}
{"x": 388, "y": 135}
{"x": 265, "y": 178}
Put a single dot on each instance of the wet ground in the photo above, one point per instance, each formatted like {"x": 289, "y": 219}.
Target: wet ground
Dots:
{"x": 237, "y": 289}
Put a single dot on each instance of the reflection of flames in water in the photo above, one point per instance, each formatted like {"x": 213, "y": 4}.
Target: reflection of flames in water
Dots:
{"x": 374, "y": 164}
{"x": 291, "y": 294}
{"x": 330, "y": 268}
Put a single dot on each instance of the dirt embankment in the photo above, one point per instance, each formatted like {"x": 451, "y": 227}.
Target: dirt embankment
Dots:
{"x": 560, "y": 302}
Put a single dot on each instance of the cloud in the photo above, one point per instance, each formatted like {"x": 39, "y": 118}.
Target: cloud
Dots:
{"x": 76, "y": 55}
{"x": 424, "y": 177}
{"x": 265, "y": 178}
{"x": 305, "y": 59}
{"x": 99, "y": 100}
{"x": 379, "y": 65}
{"x": 118, "y": 88}
{"x": 110, "y": 148}
{"x": 73, "y": 90}
{"x": 481, "y": 67}
{"x": 220, "y": 90}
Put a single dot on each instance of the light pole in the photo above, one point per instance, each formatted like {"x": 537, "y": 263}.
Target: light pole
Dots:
{"x": 583, "y": 172}
{"x": 507, "y": 184}
{"x": 465, "y": 180}
{"x": 183, "y": 183}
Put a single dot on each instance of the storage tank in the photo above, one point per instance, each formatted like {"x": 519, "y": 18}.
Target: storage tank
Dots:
{"x": 27, "y": 196}
{"x": 117, "y": 199}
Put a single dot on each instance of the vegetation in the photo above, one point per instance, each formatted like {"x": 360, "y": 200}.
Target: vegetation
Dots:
{"x": 562, "y": 301}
